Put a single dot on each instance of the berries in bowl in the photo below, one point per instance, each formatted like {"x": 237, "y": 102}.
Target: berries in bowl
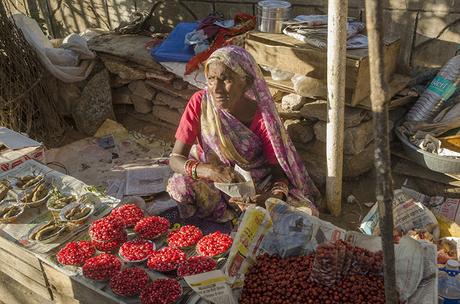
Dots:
{"x": 185, "y": 237}
{"x": 129, "y": 282}
{"x": 161, "y": 291}
{"x": 214, "y": 245}
{"x": 101, "y": 267}
{"x": 130, "y": 214}
{"x": 136, "y": 251}
{"x": 75, "y": 253}
{"x": 196, "y": 265}
{"x": 166, "y": 259}
{"x": 152, "y": 227}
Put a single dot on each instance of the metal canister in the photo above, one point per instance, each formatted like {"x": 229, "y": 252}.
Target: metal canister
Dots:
{"x": 271, "y": 14}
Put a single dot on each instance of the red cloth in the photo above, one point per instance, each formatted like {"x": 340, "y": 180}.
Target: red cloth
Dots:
{"x": 188, "y": 131}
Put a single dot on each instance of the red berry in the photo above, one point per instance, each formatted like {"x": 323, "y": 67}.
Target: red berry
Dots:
{"x": 137, "y": 250}
{"x": 166, "y": 259}
{"x": 161, "y": 291}
{"x": 101, "y": 267}
{"x": 196, "y": 265}
{"x": 152, "y": 227}
{"x": 75, "y": 253}
{"x": 129, "y": 282}
{"x": 130, "y": 214}
{"x": 214, "y": 244}
{"x": 184, "y": 237}
{"x": 107, "y": 229}
{"x": 110, "y": 246}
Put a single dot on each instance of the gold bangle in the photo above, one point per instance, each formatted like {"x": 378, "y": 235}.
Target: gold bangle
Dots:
{"x": 177, "y": 155}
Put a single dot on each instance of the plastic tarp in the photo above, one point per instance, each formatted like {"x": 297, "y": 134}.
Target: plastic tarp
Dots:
{"x": 72, "y": 62}
{"x": 174, "y": 47}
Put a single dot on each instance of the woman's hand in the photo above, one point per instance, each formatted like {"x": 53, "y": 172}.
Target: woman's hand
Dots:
{"x": 258, "y": 199}
{"x": 215, "y": 173}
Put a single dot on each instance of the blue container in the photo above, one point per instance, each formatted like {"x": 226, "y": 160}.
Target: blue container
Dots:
{"x": 448, "y": 286}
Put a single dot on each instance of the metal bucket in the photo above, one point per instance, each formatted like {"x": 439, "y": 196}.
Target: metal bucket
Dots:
{"x": 271, "y": 14}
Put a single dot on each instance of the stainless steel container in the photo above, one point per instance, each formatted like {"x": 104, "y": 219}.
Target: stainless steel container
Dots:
{"x": 271, "y": 14}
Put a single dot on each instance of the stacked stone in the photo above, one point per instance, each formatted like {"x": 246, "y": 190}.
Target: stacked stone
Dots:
{"x": 157, "y": 94}
{"x": 305, "y": 120}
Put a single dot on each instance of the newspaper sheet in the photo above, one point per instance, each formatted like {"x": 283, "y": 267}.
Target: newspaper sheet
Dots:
{"x": 19, "y": 231}
{"x": 408, "y": 214}
{"x": 147, "y": 180}
{"x": 242, "y": 189}
{"x": 246, "y": 243}
{"x": 212, "y": 286}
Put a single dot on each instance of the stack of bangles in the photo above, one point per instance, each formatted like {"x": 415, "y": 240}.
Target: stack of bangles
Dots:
{"x": 280, "y": 188}
{"x": 190, "y": 167}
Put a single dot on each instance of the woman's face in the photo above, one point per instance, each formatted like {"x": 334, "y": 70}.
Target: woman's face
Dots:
{"x": 225, "y": 86}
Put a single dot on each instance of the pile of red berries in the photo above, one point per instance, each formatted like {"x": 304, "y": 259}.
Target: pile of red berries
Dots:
{"x": 196, "y": 265}
{"x": 161, "y": 291}
{"x": 130, "y": 214}
{"x": 214, "y": 244}
{"x": 75, "y": 253}
{"x": 166, "y": 259}
{"x": 101, "y": 267}
{"x": 129, "y": 282}
{"x": 152, "y": 227}
{"x": 184, "y": 237}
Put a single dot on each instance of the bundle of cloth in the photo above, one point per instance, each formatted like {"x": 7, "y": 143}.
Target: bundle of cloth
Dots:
{"x": 312, "y": 29}
{"x": 214, "y": 32}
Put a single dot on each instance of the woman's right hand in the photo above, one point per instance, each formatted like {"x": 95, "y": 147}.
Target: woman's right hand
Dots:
{"x": 216, "y": 173}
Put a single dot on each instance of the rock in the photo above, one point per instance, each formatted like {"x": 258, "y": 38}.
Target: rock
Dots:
{"x": 299, "y": 131}
{"x": 141, "y": 104}
{"x": 160, "y": 75}
{"x": 69, "y": 94}
{"x": 117, "y": 82}
{"x": 121, "y": 96}
{"x": 293, "y": 102}
{"x": 355, "y": 139}
{"x": 170, "y": 101}
{"x": 353, "y": 165}
{"x": 95, "y": 104}
{"x": 130, "y": 47}
{"x": 166, "y": 114}
{"x": 122, "y": 68}
{"x": 141, "y": 89}
{"x": 179, "y": 84}
{"x": 318, "y": 110}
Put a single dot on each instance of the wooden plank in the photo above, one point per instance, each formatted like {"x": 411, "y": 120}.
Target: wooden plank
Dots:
{"x": 22, "y": 267}
{"x": 24, "y": 280}
{"x": 11, "y": 292}
{"x": 63, "y": 299}
{"x": 20, "y": 253}
{"x": 62, "y": 284}
{"x": 397, "y": 84}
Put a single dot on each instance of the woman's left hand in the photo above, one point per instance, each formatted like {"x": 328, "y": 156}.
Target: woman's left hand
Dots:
{"x": 258, "y": 199}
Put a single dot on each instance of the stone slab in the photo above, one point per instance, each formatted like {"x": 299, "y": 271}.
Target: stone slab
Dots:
{"x": 318, "y": 110}
{"x": 166, "y": 114}
{"x": 121, "y": 96}
{"x": 300, "y": 131}
{"x": 141, "y": 105}
{"x": 129, "y": 47}
{"x": 141, "y": 89}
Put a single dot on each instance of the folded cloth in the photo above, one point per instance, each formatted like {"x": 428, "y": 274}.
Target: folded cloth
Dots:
{"x": 313, "y": 30}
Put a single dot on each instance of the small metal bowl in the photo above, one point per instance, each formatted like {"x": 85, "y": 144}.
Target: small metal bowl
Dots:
{"x": 39, "y": 181}
{"x": 51, "y": 200}
{"x": 67, "y": 208}
{"x": 48, "y": 240}
{"x": 34, "y": 204}
{"x": 11, "y": 219}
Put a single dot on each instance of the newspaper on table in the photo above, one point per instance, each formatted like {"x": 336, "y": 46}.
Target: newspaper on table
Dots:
{"x": 19, "y": 231}
{"x": 212, "y": 286}
{"x": 147, "y": 180}
{"x": 408, "y": 214}
{"x": 242, "y": 189}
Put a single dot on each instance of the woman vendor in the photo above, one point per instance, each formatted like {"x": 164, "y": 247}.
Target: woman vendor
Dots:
{"x": 234, "y": 122}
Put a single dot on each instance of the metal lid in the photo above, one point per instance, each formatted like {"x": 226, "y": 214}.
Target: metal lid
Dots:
{"x": 274, "y": 4}
{"x": 453, "y": 264}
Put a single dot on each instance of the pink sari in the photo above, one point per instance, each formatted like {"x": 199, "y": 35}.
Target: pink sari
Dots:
{"x": 227, "y": 141}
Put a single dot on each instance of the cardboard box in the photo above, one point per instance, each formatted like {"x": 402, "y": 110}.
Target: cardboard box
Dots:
{"x": 291, "y": 55}
{"x": 16, "y": 148}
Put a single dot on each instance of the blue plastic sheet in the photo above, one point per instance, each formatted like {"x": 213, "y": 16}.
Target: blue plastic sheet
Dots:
{"x": 174, "y": 47}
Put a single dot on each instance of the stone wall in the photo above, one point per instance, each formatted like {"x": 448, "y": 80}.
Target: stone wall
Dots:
{"x": 429, "y": 29}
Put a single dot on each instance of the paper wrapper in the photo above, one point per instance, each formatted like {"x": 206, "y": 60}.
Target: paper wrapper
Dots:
{"x": 242, "y": 189}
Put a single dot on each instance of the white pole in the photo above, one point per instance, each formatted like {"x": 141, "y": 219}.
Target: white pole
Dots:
{"x": 336, "y": 64}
